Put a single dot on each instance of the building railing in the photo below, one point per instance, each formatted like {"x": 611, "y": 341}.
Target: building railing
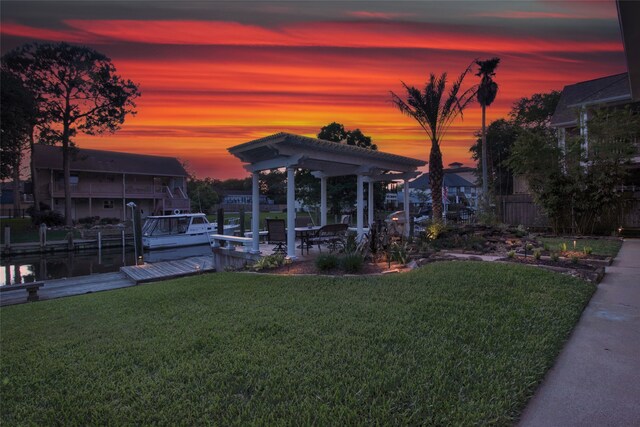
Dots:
{"x": 112, "y": 190}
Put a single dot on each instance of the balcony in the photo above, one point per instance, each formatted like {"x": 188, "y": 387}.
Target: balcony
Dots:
{"x": 112, "y": 190}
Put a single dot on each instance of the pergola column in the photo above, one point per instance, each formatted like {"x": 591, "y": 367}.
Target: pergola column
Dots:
{"x": 370, "y": 203}
{"x": 291, "y": 213}
{"x": 323, "y": 201}
{"x": 360, "y": 207}
{"x": 255, "y": 213}
{"x": 407, "y": 206}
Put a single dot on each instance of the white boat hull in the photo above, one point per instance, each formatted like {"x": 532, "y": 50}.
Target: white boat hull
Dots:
{"x": 178, "y": 240}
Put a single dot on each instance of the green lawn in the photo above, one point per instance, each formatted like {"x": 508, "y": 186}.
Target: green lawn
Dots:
{"x": 458, "y": 343}
{"x": 605, "y": 247}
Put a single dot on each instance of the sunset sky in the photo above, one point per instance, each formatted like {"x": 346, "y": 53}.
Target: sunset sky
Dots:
{"x": 216, "y": 74}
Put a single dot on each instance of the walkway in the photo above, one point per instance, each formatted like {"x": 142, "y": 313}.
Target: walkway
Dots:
{"x": 596, "y": 379}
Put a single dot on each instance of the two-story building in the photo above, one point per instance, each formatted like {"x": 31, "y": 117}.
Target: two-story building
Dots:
{"x": 103, "y": 182}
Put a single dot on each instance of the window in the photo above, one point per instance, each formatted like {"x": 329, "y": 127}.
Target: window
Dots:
{"x": 197, "y": 220}
{"x": 108, "y": 204}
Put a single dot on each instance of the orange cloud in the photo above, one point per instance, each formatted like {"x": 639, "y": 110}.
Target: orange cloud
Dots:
{"x": 209, "y": 85}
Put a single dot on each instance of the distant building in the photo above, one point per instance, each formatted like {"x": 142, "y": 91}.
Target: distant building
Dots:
{"x": 6, "y": 198}
{"x": 103, "y": 182}
{"x": 243, "y": 197}
{"x": 459, "y": 181}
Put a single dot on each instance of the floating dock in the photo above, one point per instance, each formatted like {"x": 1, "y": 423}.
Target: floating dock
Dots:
{"x": 169, "y": 269}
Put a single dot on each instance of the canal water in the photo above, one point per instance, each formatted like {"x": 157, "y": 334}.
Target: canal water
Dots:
{"x": 58, "y": 265}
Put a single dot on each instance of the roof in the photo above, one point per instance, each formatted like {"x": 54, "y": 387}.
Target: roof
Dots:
{"x": 289, "y": 150}
{"x": 598, "y": 91}
{"x": 450, "y": 180}
{"x": 86, "y": 160}
{"x": 628, "y": 12}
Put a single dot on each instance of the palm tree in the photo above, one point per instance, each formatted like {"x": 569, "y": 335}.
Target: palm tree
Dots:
{"x": 435, "y": 111}
{"x": 487, "y": 91}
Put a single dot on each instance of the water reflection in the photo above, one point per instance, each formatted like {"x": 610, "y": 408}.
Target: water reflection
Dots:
{"x": 29, "y": 268}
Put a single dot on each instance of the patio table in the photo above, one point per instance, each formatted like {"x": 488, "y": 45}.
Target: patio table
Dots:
{"x": 304, "y": 233}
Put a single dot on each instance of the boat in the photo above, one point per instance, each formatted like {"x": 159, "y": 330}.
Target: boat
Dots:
{"x": 171, "y": 231}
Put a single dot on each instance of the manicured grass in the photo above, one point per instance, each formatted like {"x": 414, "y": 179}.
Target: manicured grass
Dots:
{"x": 457, "y": 343}
{"x": 604, "y": 247}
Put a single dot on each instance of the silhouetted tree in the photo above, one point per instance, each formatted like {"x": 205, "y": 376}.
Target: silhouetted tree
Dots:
{"x": 79, "y": 92}
{"x": 435, "y": 111}
{"x": 487, "y": 91}
{"x": 18, "y": 112}
{"x": 201, "y": 194}
{"x": 341, "y": 190}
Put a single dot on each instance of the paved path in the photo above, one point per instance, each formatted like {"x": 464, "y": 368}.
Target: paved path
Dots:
{"x": 596, "y": 379}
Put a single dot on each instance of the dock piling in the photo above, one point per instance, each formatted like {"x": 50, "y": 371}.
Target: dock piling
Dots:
{"x": 7, "y": 237}
{"x": 42, "y": 233}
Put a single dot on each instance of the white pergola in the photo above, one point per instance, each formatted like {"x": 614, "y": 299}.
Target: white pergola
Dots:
{"x": 324, "y": 159}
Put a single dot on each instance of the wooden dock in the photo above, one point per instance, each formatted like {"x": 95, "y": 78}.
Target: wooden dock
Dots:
{"x": 169, "y": 269}
{"x": 127, "y": 276}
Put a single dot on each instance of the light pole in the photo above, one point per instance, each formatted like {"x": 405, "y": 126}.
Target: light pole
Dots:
{"x": 133, "y": 224}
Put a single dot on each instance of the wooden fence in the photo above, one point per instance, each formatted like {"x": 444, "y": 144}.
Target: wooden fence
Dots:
{"x": 520, "y": 209}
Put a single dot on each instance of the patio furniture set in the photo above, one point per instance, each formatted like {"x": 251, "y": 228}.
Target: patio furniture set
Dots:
{"x": 331, "y": 235}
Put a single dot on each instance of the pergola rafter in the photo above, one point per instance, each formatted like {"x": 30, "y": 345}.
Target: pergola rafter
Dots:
{"x": 324, "y": 159}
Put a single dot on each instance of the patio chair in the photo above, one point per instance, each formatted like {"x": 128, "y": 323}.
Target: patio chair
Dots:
{"x": 277, "y": 233}
{"x": 333, "y": 235}
{"x": 303, "y": 221}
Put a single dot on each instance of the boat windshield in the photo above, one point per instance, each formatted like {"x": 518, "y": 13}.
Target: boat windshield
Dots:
{"x": 165, "y": 226}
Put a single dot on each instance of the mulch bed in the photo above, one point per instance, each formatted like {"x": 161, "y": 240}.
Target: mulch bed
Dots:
{"x": 585, "y": 271}
{"x": 309, "y": 267}
{"x": 560, "y": 263}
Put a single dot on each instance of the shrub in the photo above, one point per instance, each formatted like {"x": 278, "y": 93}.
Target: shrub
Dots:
{"x": 88, "y": 220}
{"x": 574, "y": 259}
{"x": 434, "y": 230}
{"x": 588, "y": 250}
{"x": 399, "y": 253}
{"x": 269, "y": 261}
{"x": 537, "y": 253}
{"x": 511, "y": 254}
{"x": 352, "y": 263}
{"x": 554, "y": 256}
{"x": 104, "y": 221}
{"x": 326, "y": 262}
{"x": 50, "y": 218}
{"x": 350, "y": 244}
